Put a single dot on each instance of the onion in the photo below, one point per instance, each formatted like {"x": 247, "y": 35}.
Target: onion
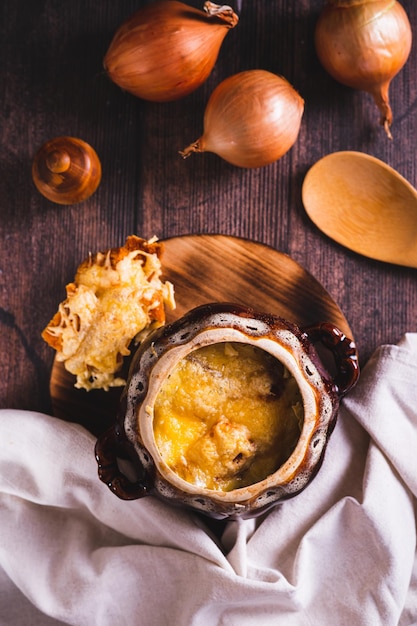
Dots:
{"x": 167, "y": 49}
{"x": 364, "y": 44}
{"x": 251, "y": 119}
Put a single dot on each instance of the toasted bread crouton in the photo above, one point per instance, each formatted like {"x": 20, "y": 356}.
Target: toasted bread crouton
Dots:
{"x": 117, "y": 296}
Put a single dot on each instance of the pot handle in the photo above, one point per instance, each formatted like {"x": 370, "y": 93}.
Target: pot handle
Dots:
{"x": 108, "y": 449}
{"x": 344, "y": 352}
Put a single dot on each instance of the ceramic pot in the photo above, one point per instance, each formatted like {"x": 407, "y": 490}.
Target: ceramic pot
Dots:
{"x": 222, "y": 466}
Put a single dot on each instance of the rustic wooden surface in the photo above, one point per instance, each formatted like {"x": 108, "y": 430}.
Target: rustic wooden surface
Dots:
{"x": 52, "y": 84}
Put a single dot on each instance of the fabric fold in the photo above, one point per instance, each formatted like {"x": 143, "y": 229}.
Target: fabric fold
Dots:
{"x": 342, "y": 551}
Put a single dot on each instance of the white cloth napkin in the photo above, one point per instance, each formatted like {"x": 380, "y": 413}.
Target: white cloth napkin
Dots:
{"x": 343, "y": 552}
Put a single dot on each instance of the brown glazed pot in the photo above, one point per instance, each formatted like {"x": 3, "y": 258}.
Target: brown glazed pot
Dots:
{"x": 133, "y": 437}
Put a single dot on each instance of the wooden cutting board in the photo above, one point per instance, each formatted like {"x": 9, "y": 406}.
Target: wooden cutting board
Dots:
{"x": 211, "y": 268}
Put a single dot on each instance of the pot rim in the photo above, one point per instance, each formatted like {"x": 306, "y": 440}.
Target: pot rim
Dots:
{"x": 284, "y": 345}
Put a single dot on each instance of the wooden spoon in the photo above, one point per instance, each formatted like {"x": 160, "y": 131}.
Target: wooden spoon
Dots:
{"x": 365, "y": 205}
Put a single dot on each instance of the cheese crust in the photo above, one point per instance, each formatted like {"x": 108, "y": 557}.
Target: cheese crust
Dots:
{"x": 117, "y": 297}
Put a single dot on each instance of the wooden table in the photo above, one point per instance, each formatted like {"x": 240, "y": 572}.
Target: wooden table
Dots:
{"x": 53, "y": 83}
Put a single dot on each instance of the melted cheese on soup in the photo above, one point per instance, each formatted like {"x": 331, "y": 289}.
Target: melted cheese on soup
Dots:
{"x": 229, "y": 415}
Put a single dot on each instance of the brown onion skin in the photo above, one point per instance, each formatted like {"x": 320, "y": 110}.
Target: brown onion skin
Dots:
{"x": 363, "y": 44}
{"x": 166, "y": 50}
{"x": 251, "y": 119}
{"x": 66, "y": 170}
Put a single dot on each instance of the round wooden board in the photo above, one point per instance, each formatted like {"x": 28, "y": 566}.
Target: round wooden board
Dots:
{"x": 211, "y": 268}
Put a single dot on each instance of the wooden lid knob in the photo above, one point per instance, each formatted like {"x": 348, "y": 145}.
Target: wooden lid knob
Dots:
{"x": 66, "y": 170}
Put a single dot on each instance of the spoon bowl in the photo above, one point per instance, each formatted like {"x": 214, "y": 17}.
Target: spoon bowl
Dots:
{"x": 365, "y": 205}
